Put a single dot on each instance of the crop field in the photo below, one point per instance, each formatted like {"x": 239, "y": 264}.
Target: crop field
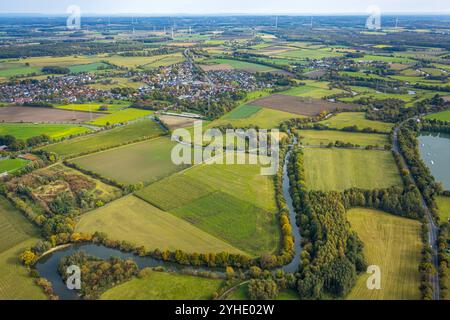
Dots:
{"x": 315, "y": 92}
{"x": 342, "y": 169}
{"x": 44, "y": 115}
{"x": 145, "y": 161}
{"x": 121, "y": 116}
{"x": 146, "y": 62}
{"x": 94, "y": 107}
{"x": 54, "y": 131}
{"x": 443, "y": 116}
{"x": 16, "y": 234}
{"x": 392, "y": 243}
{"x": 242, "y": 65}
{"x": 305, "y": 53}
{"x": 165, "y": 286}
{"x": 66, "y": 61}
{"x": 138, "y": 222}
{"x": 324, "y": 137}
{"x": 249, "y": 115}
{"x": 299, "y": 105}
{"x": 174, "y": 122}
{"x": 232, "y": 202}
{"x": 87, "y": 67}
{"x": 11, "y": 165}
{"x": 346, "y": 119}
{"x": 443, "y": 204}
{"x": 8, "y": 70}
{"x": 107, "y": 139}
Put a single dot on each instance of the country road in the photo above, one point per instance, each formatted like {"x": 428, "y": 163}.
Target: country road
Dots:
{"x": 433, "y": 229}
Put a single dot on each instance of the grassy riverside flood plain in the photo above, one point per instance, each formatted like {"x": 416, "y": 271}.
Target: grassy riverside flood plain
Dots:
{"x": 146, "y": 161}
{"x": 121, "y": 116}
{"x": 246, "y": 115}
{"x": 165, "y": 286}
{"x": 231, "y": 202}
{"x": 16, "y": 234}
{"x": 138, "y": 222}
{"x": 54, "y": 131}
{"x": 318, "y": 137}
{"x": 392, "y": 243}
{"x": 342, "y": 169}
{"x": 347, "y": 119}
{"x": 107, "y": 139}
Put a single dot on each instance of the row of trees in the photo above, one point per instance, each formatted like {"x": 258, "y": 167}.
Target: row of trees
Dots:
{"x": 409, "y": 148}
{"x": 15, "y": 144}
{"x": 426, "y": 267}
{"x": 443, "y": 258}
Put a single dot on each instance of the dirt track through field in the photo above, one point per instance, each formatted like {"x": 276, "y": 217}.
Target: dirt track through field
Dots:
{"x": 44, "y": 115}
{"x": 299, "y": 105}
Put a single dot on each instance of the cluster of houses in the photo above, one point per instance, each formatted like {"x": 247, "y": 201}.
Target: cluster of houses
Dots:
{"x": 53, "y": 89}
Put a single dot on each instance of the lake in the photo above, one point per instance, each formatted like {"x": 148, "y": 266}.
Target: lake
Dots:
{"x": 435, "y": 152}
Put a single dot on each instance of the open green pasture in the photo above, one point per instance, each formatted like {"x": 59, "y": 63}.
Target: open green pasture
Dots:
{"x": 348, "y": 119}
{"x": 165, "y": 286}
{"x": 342, "y": 169}
{"x": 145, "y": 161}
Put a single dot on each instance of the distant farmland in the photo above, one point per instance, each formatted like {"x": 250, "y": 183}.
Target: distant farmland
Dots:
{"x": 341, "y": 169}
{"x": 299, "y": 105}
{"x": 107, "y": 139}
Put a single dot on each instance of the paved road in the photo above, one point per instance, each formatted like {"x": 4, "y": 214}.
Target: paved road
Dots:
{"x": 433, "y": 229}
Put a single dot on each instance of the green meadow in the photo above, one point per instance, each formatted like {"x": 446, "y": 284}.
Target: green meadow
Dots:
{"x": 342, "y": 169}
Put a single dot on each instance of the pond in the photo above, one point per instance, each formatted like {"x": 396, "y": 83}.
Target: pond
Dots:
{"x": 435, "y": 152}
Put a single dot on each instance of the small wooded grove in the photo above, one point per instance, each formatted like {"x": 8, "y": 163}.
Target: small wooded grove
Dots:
{"x": 98, "y": 275}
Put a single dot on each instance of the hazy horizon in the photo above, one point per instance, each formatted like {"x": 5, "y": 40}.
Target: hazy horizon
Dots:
{"x": 230, "y": 7}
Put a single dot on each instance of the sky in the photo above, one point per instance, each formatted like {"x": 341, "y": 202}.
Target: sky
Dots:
{"x": 167, "y": 7}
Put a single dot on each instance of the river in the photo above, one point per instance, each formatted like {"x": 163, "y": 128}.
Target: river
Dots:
{"x": 47, "y": 266}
